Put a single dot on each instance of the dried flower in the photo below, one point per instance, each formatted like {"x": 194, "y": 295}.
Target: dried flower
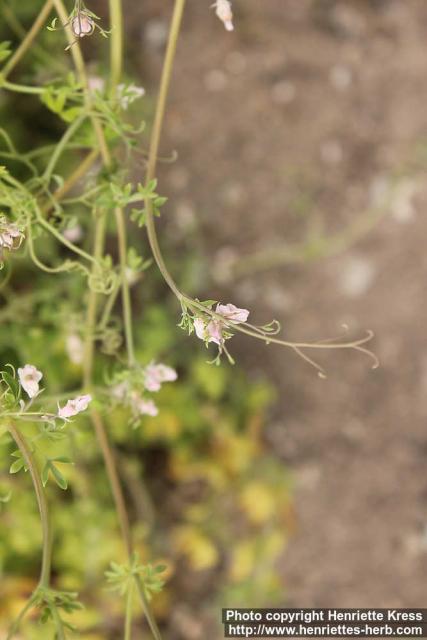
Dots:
{"x": 10, "y": 236}
{"x": 156, "y": 374}
{"x": 29, "y": 378}
{"x": 224, "y": 13}
{"x": 73, "y": 407}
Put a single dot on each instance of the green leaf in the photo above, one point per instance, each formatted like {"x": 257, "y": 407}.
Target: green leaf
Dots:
{"x": 45, "y": 473}
{"x": 5, "y": 50}
{"x": 60, "y": 480}
{"x": 12, "y": 383}
{"x": 52, "y": 25}
{"x": 160, "y": 568}
{"x": 63, "y": 459}
{"x": 17, "y": 466}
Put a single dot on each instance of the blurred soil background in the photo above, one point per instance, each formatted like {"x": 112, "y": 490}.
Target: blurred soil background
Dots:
{"x": 301, "y": 174}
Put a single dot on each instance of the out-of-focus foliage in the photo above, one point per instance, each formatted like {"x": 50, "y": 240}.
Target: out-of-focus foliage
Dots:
{"x": 208, "y": 501}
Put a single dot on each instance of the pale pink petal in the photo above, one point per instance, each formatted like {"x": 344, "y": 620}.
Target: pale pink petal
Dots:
{"x": 29, "y": 378}
{"x": 200, "y": 328}
{"x": 73, "y": 407}
{"x": 232, "y": 313}
{"x": 214, "y": 331}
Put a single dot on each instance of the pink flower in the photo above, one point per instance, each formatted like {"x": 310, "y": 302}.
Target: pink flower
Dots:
{"x": 82, "y": 25}
{"x": 73, "y": 407}
{"x": 232, "y": 313}
{"x": 156, "y": 374}
{"x": 96, "y": 83}
{"x": 208, "y": 331}
{"x": 143, "y": 407}
{"x": 211, "y": 330}
{"x": 224, "y": 13}
{"x": 29, "y": 378}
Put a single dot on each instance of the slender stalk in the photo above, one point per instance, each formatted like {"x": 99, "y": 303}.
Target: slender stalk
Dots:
{"x": 71, "y": 130}
{"x": 20, "y": 88}
{"x": 129, "y": 613}
{"x": 92, "y": 308}
{"x": 29, "y": 38}
{"x": 31, "y": 464}
{"x": 116, "y": 488}
{"x": 80, "y": 171}
{"x": 155, "y": 139}
{"x": 116, "y": 49}
{"x": 60, "y": 631}
{"x": 126, "y": 301}
{"x": 17, "y": 622}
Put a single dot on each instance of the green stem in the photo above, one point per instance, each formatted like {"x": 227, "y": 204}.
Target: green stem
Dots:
{"x": 30, "y": 463}
{"x": 126, "y": 301}
{"x": 116, "y": 49}
{"x": 29, "y": 38}
{"x": 20, "y": 88}
{"x": 147, "y": 609}
{"x": 92, "y": 308}
{"x": 13, "y": 630}
{"x": 129, "y": 613}
{"x": 155, "y": 140}
{"x": 60, "y": 631}
{"x": 62, "y": 145}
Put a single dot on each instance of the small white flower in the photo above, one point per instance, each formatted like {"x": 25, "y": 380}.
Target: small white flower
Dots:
{"x": 73, "y": 407}
{"x": 29, "y": 378}
{"x": 156, "y": 374}
{"x": 127, "y": 94}
{"x": 75, "y": 348}
{"x": 224, "y": 13}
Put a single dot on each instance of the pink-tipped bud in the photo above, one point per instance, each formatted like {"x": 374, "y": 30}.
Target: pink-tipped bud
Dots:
{"x": 224, "y": 13}
{"x": 82, "y": 25}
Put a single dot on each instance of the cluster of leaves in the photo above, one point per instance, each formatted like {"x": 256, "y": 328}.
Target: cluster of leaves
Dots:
{"x": 121, "y": 577}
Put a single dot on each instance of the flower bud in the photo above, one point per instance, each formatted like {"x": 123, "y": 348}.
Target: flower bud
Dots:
{"x": 82, "y": 25}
